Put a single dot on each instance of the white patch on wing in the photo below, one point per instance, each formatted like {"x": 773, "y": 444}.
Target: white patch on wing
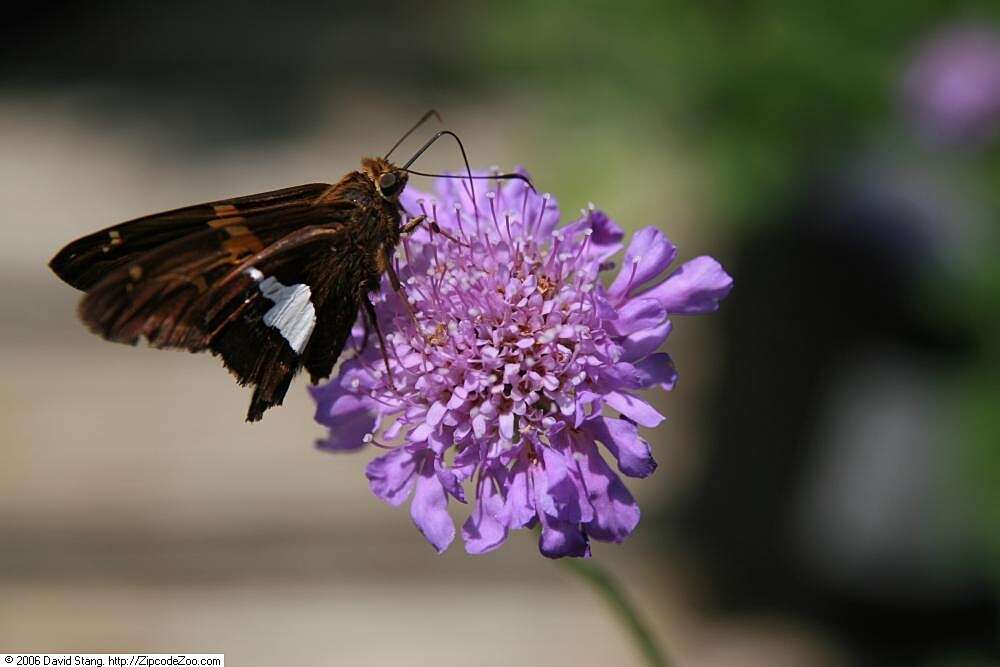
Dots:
{"x": 292, "y": 314}
{"x": 255, "y": 274}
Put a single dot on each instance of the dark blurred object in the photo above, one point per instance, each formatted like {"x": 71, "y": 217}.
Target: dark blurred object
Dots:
{"x": 221, "y": 72}
{"x": 841, "y": 525}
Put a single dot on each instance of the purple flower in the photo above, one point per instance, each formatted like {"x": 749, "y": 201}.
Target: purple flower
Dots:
{"x": 504, "y": 364}
{"x": 952, "y": 86}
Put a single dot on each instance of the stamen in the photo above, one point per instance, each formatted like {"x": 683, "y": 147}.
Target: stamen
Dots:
{"x": 587, "y": 233}
{"x": 458, "y": 218}
{"x": 491, "y": 196}
{"x": 541, "y": 212}
{"x": 369, "y": 439}
{"x": 631, "y": 278}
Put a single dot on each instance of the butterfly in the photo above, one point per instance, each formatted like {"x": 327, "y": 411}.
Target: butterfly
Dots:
{"x": 271, "y": 283}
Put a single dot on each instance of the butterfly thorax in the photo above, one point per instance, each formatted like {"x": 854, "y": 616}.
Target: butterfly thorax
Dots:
{"x": 372, "y": 217}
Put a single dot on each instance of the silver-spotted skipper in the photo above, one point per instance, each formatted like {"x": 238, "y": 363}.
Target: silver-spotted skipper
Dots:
{"x": 270, "y": 282}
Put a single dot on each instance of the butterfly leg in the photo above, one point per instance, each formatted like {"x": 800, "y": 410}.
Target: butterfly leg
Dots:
{"x": 364, "y": 337}
{"x": 413, "y": 224}
{"x": 397, "y": 286}
{"x": 420, "y": 219}
{"x": 370, "y": 315}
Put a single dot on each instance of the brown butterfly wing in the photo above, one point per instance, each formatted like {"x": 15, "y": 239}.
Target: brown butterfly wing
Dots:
{"x": 87, "y": 260}
{"x": 210, "y": 290}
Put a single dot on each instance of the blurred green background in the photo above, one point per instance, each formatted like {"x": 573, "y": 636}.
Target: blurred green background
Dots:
{"x": 829, "y": 490}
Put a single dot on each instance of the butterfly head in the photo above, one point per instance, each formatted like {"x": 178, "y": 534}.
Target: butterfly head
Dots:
{"x": 388, "y": 179}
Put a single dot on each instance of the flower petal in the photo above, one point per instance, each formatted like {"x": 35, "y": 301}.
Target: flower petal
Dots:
{"x": 606, "y": 237}
{"x": 636, "y": 315}
{"x": 507, "y": 425}
{"x": 634, "y": 408}
{"x": 558, "y": 538}
{"x": 605, "y": 234}
{"x": 436, "y": 413}
{"x": 391, "y": 476}
{"x": 649, "y": 253}
{"x": 349, "y": 434}
{"x": 564, "y": 487}
{"x": 347, "y": 413}
{"x": 429, "y": 509}
{"x": 616, "y": 513}
{"x": 449, "y": 481}
{"x": 696, "y": 287}
{"x": 519, "y": 506}
{"x": 656, "y": 370}
{"x": 482, "y": 531}
{"x": 622, "y": 439}
{"x": 642, "y": 343}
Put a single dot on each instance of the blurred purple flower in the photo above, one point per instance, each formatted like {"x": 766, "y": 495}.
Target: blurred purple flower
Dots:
{"x": 952, "y": 85}
{"x": 504, "y": 364}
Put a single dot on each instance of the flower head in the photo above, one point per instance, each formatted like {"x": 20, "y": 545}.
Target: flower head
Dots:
{"x": 503, "y": 361}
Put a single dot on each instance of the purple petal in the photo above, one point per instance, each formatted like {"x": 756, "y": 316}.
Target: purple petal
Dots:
{"x": 554, "y": 485}
{"x": 348, "y": 435}
{"x": 696, "y": 287}
{"x": 482, "y": 531}
{"x": 605, "y": 310}
{"x": 564, "y": 488}
{"x": 507, "y": 425}
{"x": 436, "y": 413}
{"x": 637, "y": 315}
{"x": 347, "y": 415}
{"x": 587, "y": 402}
{"x": 429, "y": 509}
{"x": 616, "y": 513}
{"x": 449, "y": 481}
{"x": 634, "y": 408}
{"x": 519, "y": 506}
{"x": 656, "y": 370}
{"x": 649, "y": 254}
{"x": 606, "y": 236}
{"x": 391, "y": 476}
{"x": 465, "y": 462}
{"x": 558, "y": 538}
{"x": 334, "y": 401}
{"x": 622, "y": 375}
{"x": 622, "y": 439}
{"x": 645, "y": 342}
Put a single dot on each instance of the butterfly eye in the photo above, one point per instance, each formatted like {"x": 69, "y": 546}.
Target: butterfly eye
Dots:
{"x": 388, "y": 183}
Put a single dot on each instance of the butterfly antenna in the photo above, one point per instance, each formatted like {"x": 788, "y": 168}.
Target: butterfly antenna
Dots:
{"x": 423, "y": 119}
{"x": 499, "y": 177}
{"x": 465, "y": 158}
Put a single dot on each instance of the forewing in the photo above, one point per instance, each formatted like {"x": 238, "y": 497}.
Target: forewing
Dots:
{"x": 87, "y": 260}
{"x": 165, "y": 293}
{"x": 261, "y": 309}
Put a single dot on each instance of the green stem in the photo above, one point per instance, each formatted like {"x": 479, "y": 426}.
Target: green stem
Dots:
{"x": 609, "y": 587}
